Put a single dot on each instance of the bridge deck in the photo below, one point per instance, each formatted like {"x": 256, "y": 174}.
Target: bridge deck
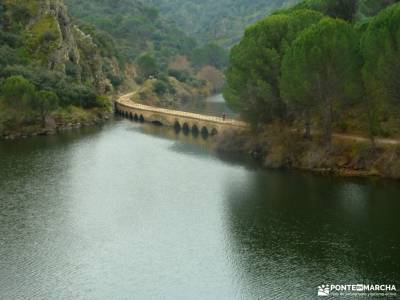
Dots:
{"x": 125, "y": 101}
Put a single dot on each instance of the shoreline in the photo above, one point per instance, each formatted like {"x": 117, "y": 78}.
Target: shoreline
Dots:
{"x": 353, "y": 159}
{"x": 347, "y": 160}
{"x": 273, "y": 148}
{"x": 53, "y": 128}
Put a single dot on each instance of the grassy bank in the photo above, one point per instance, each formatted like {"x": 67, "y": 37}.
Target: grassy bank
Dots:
{"x": 13, "y": 126}
{"x": 278, "y": 147}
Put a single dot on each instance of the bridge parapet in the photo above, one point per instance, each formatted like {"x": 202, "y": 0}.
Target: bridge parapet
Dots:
{"x": 176, "y": 118}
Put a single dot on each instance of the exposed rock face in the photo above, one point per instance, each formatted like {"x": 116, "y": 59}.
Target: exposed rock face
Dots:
{"x": 67, "y": 50}
{"x": 53, "y": 41}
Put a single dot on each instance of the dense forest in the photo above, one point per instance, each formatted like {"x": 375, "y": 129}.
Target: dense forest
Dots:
{"x": 47, "y": 64}
{"x": 55, "y": 69}
{"x": 323, "y": 64}
{"x": 179, "y": 70}
{"x": 222, "y": 21}
{"x": 138, "y": 28}
{"x": 134, "y": 26}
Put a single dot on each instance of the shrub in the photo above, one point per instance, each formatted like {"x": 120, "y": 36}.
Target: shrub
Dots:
{"x": 48, "y": 36}
{"x": 44, "y": 102}
{"x": 103, "y": 102}
{"x": 160, "y": 88}
{"x": 182, "y": 76}
{"x": 147, "y": 66}
{"x": 17, "y": 91}
{"x": 139, "y": 80}
{"x": 115, "y": 80}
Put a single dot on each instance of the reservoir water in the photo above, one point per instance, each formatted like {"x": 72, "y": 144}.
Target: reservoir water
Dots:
{"x": 134, "y": 211}
{"x": 213, "y": 106}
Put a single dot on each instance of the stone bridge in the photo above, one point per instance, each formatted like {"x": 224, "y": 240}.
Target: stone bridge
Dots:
{"x": 197, "y": 123}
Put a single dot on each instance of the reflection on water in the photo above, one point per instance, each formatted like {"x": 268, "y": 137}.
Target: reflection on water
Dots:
{"x": 213, "y": 106}
{"x": 297, "y": 231}
{"x": 139, "y": 211}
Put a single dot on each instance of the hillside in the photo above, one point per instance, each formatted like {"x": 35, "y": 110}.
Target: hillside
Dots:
{"x": 142, "y": 37}
{"x": 50, "y": 71}
{"x": 135, "y": 27}
{"x": 220, "y": 21}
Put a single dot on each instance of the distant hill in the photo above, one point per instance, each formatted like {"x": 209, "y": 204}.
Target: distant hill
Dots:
{"x": 220, "y": 21}
{"x": 135, "y": 27}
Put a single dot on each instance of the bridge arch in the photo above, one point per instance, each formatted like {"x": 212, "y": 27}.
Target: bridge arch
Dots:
{"x": 136, "y": 117}
{"x": 195, "y": 130}
{"x": 214, "y": 131}
{"x": 141, "y": 118}
{"x": 177, "y": 126}
{"x": 204, "y": 132}
{"x": 130, "y": 116}
{"x": 185, "y": 128}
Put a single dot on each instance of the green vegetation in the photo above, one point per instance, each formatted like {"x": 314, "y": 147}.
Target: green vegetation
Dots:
{"x": 147, "y": 66}
{"x": 137, "y": 28}
{"x": 170, "y": 92}
{"x": 321, "y": 72}
{"x": 343, "y": 9}
{"x": 221, "y": 22}
{"x": 160, "y": 87}
{"x": 47, "y": 65}
{"x": 45, "y": 102}
{"x": 348, "y": 10}
{"x": 254, "y": 74}
{"x": 380, "y": 47}
{"x": 134, "y": 26}
{"x": 322, "y": 64}
{"x": 146, "y": 45}
{"x": 21, "y": 101}
{"x": 368, "y": 8}
{"x": 17, "y": 92}
{"x": 43, "y": 37}
{"x": 211, "y": 55}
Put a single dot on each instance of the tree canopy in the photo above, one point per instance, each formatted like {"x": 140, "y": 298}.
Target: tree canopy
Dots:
{"x": 321, "y": 64}
{"x": 147, "y": 65}
{"x": 17, "y": 91}
{"x": 380, "y": 46}
{"x": 321, "y": 70}
{"x": 255, "y": 68}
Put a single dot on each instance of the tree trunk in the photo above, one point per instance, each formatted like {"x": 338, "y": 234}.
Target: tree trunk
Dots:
{"x": 43, "y": 115}
{"x": 328, "y": 122}
{"x": 371, "y": 122}
{"x": 307, "y": 130}
{"x": 307, "y": 126}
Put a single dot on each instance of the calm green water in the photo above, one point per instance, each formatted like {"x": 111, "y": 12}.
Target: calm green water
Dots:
{"x": 213, "y": 106}
{"x": 138, "y": 212}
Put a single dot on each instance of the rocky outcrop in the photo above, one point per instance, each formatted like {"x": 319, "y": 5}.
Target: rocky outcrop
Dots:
{"x": 52, "y": 40}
